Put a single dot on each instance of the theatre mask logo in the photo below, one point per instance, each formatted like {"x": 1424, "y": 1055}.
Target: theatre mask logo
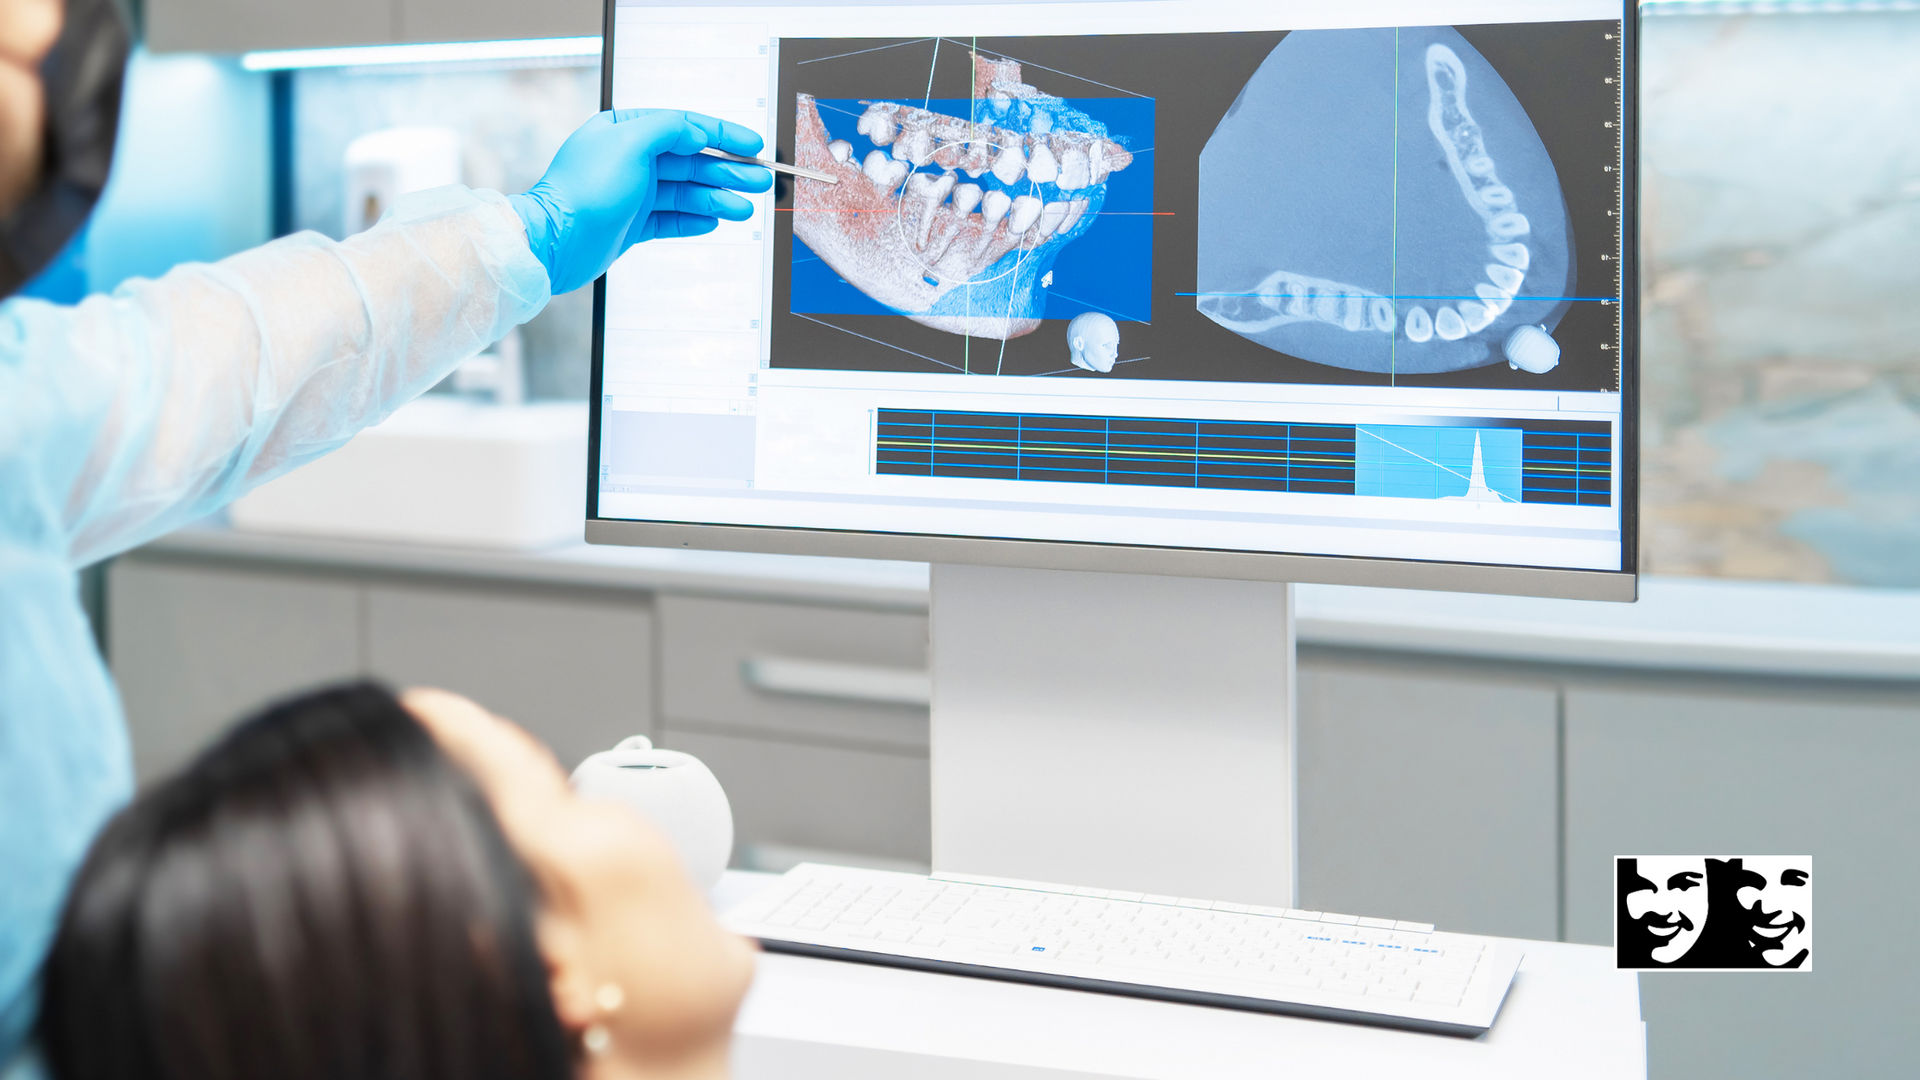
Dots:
{"x": 1713, "y": 912}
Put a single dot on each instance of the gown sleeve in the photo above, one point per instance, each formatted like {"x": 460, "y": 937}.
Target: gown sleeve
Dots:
{"x": 136, "y": 412}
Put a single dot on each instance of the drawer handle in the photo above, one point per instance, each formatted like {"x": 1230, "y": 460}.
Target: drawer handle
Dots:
{"x": 844, "y": 682}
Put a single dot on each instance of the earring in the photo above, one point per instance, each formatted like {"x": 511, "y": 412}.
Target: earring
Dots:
{"x": 610, "y": 997}
{"x": 596, "y": 1039}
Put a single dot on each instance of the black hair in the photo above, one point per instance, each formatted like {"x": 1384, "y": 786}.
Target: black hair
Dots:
{"x": 322, "y": 895}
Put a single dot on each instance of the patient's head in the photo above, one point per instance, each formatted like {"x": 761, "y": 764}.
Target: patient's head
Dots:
{"x": 357, "y": 886}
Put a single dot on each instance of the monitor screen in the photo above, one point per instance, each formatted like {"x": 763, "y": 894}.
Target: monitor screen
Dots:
{"x": 1345, "y": 287}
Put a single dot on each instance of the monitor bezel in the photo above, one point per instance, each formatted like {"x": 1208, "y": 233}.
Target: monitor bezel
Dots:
{"x": 1541, "y": 581}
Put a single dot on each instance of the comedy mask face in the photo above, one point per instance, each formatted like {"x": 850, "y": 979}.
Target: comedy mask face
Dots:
{"x": 62, "y": 65}
{"x": 1672, "y": 907}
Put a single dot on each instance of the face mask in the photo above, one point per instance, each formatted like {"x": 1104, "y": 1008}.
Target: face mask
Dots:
{"x": 83, "y": 76}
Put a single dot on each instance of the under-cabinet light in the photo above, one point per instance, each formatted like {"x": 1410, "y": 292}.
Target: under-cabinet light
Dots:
{"x": 371, "y": 55}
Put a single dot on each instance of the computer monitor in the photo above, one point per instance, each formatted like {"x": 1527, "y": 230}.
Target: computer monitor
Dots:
{"x": 1238, "y": 293}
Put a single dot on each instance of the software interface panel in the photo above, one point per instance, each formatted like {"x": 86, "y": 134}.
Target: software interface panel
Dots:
{"x": 1284, "y": 277}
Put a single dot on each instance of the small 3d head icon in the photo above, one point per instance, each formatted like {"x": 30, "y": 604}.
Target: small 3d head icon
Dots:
{"x": 1094, "y": 339}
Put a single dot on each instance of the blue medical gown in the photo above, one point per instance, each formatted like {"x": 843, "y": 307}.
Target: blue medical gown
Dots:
{"x": 128, "y": 415}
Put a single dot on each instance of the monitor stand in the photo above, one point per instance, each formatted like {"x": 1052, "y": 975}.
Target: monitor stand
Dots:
{"x": 1115, "y": 731}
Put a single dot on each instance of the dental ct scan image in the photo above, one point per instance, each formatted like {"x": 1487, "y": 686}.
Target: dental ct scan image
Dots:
{"x": 1447, "y": 218}
{"x": 1280, "y": 279}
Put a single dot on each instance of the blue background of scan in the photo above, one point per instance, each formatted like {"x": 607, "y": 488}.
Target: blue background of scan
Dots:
{"x": 1109, "y": 268}
{"x": 1404, "y": 461}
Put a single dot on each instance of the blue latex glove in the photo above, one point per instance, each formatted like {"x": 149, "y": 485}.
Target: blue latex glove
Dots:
{"x": 631, "y": 175}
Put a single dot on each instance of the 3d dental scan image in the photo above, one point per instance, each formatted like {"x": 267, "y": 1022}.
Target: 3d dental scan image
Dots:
{"x": 1417, "y": 228}
{"x": 1713, "y": 913}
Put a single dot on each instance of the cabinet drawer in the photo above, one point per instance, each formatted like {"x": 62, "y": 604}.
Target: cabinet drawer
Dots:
{"x": 834, "y": 676}
{"x": 868, "y": 802}
{"x": 197, "y": 647}
{"x": 573, "y": 668}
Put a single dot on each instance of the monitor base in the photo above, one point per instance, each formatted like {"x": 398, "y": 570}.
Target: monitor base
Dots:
{"x": 1113, "y": 730}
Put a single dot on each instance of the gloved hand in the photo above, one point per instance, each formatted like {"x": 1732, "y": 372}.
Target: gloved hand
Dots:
{"x": 630, "y": 175}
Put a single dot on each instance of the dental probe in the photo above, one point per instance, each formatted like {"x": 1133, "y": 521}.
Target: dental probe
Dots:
{"x": 791, "y": 170}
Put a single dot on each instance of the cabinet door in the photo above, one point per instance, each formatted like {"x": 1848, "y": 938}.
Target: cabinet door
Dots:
{"x": 831, "y": 799}
{"x": 494, "y": 20}
{"x": 1704, "y": 773}
{"x": 195, "y": 647}
{"x": 240, "y": 25}
{"x": 1428, "y": 798}
{"x": 576, "y": 670}
{"x": 722, "y": 663}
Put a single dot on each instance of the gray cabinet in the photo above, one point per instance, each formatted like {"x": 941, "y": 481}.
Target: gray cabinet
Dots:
{"x": 241, "y": 25}
{"x": 1429, "y": 797}
{"x": 574, "y": 668}
{"x": 197, "y": 644}
{"x": 825, "y": 763}
{"x": 833, "y": 800}
{"x": 710, "y": 647}
{"x": 195, "y": 647}
{"x": 1829, "y": 772}
{"x": 494, "y": 20}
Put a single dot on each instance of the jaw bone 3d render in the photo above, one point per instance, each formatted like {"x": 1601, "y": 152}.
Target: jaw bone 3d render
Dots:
{"x": 963, "y": 254}
{"x": 1413, "y": 223}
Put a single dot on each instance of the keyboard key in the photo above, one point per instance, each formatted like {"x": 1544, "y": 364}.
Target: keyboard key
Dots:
{"x": 813, "y": 924}
{"x": 1391, "y": 993}
{"x": 1342, "y": 920}
{"x": 1381, "y": 924}
{"x": 1415, "y": 927}
{"x": 1437, "y": 996}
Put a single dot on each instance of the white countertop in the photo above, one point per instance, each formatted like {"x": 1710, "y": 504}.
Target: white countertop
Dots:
{"x": 1683, "y": 624}
{"x": 1568, "y": 1015}
{"x": 1691, "y": 624}
{"x": 797, "y": 577}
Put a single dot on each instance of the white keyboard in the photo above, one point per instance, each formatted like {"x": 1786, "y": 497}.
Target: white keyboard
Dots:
{"x": 1240, "y": 956}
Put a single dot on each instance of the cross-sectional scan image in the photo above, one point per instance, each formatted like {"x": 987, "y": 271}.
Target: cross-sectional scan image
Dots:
{"x": 1427, "y": 229}
{"x": 1420, "y": 206}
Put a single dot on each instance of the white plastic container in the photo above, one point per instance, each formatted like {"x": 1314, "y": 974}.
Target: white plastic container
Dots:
{"x": 673, "y": 790}
{"x": 443, "y": 471}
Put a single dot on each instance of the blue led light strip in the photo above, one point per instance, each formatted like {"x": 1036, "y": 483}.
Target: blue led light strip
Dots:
{"x": 444, "y": 52}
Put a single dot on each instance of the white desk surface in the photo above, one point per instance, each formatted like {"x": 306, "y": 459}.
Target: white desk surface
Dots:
{"x": 1569, "y": 1015}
